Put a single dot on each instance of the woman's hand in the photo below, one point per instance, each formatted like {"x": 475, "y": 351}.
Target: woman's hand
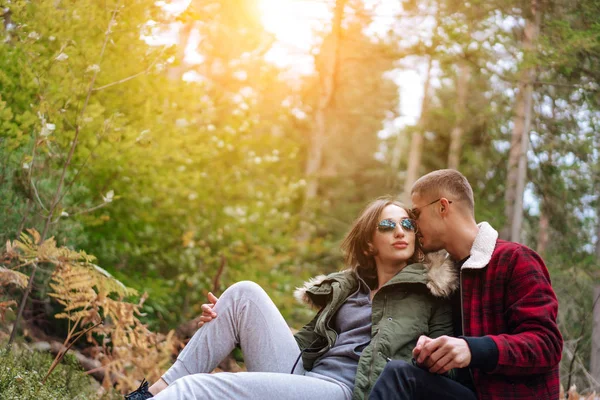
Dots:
{"x": 207, "y": 310}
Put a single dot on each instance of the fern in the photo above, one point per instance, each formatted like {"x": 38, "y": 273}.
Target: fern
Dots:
{"x": 96, "y": 306}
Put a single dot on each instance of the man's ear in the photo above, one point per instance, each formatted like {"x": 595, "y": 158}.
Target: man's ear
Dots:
{"x": 444, "y": 203}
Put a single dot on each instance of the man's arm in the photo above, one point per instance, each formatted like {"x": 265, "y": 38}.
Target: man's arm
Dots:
{"x": 533, "y": 344}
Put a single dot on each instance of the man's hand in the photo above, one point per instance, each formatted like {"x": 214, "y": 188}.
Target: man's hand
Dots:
{"x": 207, "y": 310}
{"x": 442, "y": 354}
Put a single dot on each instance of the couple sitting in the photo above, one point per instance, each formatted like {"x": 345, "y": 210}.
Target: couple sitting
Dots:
{"x": 395, "y": 324}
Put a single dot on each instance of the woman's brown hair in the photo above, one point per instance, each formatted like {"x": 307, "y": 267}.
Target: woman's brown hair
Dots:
{"x": 358, "y": 253}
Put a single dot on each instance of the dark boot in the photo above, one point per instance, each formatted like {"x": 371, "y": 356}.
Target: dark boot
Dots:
{"x": 140, "y": 393}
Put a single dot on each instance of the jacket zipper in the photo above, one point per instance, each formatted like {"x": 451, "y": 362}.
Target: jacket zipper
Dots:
{"x": 375, "y": 342}
{"x": 462, "y": 318}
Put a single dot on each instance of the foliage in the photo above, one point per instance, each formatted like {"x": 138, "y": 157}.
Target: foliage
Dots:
{"x": 96, "y": 304}
{"x": 184, "y": 176}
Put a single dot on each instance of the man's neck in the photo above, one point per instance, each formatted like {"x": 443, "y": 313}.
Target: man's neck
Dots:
{"x": 462, "y": 240}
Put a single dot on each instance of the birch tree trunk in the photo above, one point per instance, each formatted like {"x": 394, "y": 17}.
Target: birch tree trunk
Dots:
{"x": 176, "y": 72}
{"x": 326, "y": 91}
{"x": 595, "y": 356}
{"x": 462, "y": 83}
{"x": 397, "y": 152}
{"x": 517, "y": 159}
{"x": 416, "y": 144}
{"x": 543, "y": 234}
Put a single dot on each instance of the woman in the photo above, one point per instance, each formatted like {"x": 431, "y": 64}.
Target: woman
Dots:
{"x": 369, "y": 314}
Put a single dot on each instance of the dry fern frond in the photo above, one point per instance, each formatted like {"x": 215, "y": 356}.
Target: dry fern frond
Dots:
{"x": 4, "y": 307}
{"x": 12, "y": 277}
{"x": 96, "y": 304}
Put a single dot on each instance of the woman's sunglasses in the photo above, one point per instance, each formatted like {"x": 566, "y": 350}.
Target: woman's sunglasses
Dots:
{"x": 388, "y": 225}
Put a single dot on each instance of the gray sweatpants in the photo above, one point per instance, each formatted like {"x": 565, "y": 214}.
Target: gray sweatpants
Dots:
{"x": 246, "y": 315}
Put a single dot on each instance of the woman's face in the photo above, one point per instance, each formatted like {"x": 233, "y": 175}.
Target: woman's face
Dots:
{"x": 394, "y": 245}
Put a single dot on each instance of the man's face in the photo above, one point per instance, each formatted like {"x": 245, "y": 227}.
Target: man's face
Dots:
{"x": 430, "y": 225}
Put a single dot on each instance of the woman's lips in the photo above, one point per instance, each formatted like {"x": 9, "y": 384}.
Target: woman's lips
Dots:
{"x": 400, "y": 245}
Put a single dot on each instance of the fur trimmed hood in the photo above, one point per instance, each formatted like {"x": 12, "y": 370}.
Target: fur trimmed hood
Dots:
{"x": 441, "y": 278}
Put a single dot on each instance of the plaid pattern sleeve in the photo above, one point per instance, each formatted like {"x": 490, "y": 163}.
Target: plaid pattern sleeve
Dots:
{"x": 533, "y": 344}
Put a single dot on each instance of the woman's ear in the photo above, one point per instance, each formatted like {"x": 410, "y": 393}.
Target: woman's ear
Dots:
{"x": 371, "y": 250}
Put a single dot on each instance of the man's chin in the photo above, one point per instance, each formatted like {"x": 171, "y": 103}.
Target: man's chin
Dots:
{"x": 431, "y": 247}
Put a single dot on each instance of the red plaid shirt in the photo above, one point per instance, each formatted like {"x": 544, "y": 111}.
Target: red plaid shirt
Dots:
{"x": 507, "y": 296}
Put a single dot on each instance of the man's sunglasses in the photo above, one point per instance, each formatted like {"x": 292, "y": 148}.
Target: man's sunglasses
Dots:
{"x": 388, "y": 225}
{"x": 416, "y": 211}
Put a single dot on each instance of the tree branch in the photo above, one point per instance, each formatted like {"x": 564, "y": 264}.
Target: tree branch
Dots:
{"x": 62, "y": 177}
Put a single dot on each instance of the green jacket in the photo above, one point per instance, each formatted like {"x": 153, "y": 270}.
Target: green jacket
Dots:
{"x": 413, "y": 303}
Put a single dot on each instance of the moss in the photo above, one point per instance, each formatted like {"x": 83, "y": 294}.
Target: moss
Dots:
{"x": 21, "y": 373}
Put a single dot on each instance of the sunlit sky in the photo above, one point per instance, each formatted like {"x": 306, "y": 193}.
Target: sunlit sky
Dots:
{"x": 293, "y": 22}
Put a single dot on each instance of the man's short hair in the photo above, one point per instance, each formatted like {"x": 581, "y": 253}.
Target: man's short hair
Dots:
{"x": 445, "y": 183}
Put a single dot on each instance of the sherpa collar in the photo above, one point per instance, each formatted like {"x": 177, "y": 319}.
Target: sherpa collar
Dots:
{"x": 483, "y": 247}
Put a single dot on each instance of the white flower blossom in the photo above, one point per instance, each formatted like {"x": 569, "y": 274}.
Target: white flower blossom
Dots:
{"x": 247, "y": 91}
{"x": 238, "y": 98}
{"x": 240, "y": 75}
{"x": 61, "y": 57}
{"x": 64, "y": 214}
{"x": 93, "y": 68}
{"x": 109, "y": 196}
{"x": 142, "y": 135}
{"x": 235, "y": 211}
{"x": 181, "y": 123}
{"x": 47, "y": 129}
{"x": 34, "y": 36}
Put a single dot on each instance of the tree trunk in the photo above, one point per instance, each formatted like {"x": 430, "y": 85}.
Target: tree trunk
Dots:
{"x": 397, "y": 152}
{"x": 595, "y": 357}
{"x": 462, "y": 83}
{"x": 176, "y": 72}
{"x": 326, "y": 91}
{"x": 416, "y": 145}
{"x": 598, "y": 232}
{"x": 517, "y": 159}
{"x": 543, "y": 234}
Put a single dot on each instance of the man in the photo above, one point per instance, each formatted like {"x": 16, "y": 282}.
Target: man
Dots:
{"x": 508, "y": 344}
